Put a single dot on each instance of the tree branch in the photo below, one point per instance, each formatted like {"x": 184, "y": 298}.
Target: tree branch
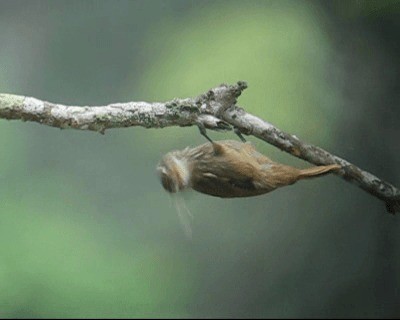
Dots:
{"x": 216, "y": 110}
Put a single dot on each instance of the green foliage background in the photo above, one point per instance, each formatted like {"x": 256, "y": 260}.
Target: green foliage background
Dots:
{"x": 86, "y": 229}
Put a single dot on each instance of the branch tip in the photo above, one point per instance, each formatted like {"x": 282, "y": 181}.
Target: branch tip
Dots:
{"x": 393, "y": 206}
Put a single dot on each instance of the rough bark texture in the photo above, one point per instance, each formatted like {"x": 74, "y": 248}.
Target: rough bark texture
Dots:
{"x": 216, "y": 110}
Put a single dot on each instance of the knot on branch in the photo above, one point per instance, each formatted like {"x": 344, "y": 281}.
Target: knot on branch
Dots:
{"x": 217, "y": 100}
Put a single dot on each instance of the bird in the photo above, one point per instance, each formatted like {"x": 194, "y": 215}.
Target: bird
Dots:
{"x": 230, "y": 169}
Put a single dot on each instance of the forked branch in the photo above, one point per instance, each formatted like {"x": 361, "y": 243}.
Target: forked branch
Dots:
{"x": 216, "y": 110}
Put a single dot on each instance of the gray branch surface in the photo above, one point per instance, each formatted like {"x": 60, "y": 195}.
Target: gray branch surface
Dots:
{"x": 216, "y": 110}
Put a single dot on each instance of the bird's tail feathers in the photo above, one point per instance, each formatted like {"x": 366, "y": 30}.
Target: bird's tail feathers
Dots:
{"x": 317, "y": 171}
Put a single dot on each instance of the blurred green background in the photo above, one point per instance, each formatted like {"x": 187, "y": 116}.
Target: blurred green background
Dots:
{"x": 86, "y": 229}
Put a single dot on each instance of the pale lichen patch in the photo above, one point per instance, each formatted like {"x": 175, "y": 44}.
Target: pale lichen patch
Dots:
{"x": 34, "y": 106}
{"x": 9, "y": 101}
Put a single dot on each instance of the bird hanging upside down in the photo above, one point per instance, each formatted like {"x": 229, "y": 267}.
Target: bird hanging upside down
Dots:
{"x": 229, "y": 169}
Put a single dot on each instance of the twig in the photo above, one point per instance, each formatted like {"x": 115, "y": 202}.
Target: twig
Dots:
{"x": 216, "y": 110}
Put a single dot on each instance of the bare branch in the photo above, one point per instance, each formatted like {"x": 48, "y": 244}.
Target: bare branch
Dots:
{"x": 179, "y": 112}
{"x": 216, "y": 110}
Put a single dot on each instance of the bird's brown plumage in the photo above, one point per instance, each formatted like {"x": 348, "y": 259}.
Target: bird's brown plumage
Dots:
{"x": 229, "y": 169}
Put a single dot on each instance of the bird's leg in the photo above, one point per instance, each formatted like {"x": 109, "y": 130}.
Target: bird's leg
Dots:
{"x": 239, "y": 134}
{"x": 203, "y": 132}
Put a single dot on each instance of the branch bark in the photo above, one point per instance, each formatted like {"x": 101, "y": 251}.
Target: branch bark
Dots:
{"x": 216, "y": 110}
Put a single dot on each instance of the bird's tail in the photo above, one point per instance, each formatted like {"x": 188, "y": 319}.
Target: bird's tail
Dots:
{"x": 317, "y": 171}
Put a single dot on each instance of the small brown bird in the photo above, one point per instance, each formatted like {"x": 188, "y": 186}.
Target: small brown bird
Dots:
{"x": 229, "y": 169}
